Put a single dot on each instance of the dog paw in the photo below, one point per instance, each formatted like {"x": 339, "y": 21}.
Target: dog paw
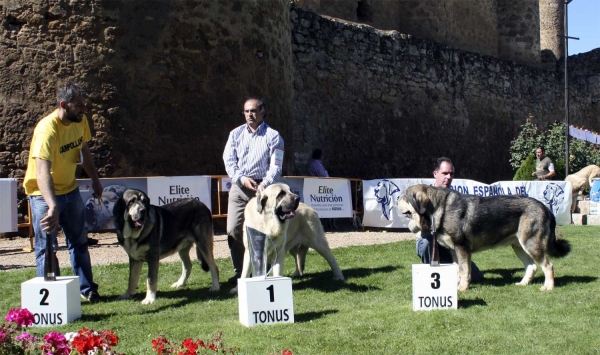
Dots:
{"x": 124, "y": 296}
{"x": 546, "y": 288}
{"x": 462, "y": 287}
{"x": 297, "y": 274}
{"x": 339, "y": 278}
{"x": 233, "y": 291}
{"x": 147, "y": 301}
{"x": 178, "y": 284}
{"x": 215, "y": 288}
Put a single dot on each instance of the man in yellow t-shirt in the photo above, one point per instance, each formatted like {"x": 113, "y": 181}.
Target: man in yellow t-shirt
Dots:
{"x": 52, "y": 188}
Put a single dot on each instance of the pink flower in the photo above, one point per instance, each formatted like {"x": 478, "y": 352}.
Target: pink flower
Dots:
{"x": 56, "y": 344}
{"x": 26, "y": 336}
{"x": 21, "y": 316}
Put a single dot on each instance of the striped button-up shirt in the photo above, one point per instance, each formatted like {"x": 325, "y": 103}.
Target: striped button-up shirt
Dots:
{"x": 257, "y": 155}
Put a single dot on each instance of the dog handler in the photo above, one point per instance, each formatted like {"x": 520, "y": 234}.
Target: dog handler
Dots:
{"x": 544, "y": 168}
{"x": 51, "y": 186}
{"x": 253, "y": 159}
{"x": 443, "y": 174}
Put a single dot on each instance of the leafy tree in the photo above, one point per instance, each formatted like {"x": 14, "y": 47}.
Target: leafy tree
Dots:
{"x": 525, "y": 143}
{"x": 581, "y": 153}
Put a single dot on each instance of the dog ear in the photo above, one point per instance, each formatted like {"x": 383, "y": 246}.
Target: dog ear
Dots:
{"x": 261, "y": 201}
{"x": 419, "y": 201}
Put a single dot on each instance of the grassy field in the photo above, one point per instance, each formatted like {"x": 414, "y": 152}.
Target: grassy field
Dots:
{"x": 369, "y": 314}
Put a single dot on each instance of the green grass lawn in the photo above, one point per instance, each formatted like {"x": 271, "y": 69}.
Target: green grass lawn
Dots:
{"x": 371, "y": 313}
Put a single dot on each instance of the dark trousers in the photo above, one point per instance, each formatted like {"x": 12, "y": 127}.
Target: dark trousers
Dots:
{"x": 238, "y": 199}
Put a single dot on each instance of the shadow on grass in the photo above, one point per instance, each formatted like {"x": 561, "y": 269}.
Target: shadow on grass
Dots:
{"x": 512, "y": 276}
{"x": 471, "y": 303}
{"x": 309, "y": 316}
{"x": 322, "y": 281}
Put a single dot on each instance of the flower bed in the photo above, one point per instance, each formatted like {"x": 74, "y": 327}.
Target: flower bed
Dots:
{"x": 14, "y": 340}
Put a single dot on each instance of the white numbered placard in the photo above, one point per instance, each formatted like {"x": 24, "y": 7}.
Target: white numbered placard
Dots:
{"x": 435, "y": 287}
{"x": 265, "y": 300}
{"x": 52, "y": 302}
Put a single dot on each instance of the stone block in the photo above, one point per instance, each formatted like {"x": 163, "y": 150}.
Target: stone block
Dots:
{"x": 579, "y": 219}
{"x": 593, "y": 220}
{"x": 584, "y": 207}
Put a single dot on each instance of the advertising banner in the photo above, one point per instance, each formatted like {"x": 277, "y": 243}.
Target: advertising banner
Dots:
{"x": 8, "y": 205}
{"x": 329, "y": 197}
{"x": 381, "y": 197}
{"x": 167, "y": 189}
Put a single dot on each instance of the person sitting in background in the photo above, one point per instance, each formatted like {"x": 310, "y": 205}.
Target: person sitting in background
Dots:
{"x": 316, "y": 166}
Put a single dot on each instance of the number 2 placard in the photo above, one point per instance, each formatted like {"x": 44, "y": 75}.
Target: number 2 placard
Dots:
{"x": 434, "y": 287}
{"x": 265, "y": 300}
{"x": 52, "y": 302}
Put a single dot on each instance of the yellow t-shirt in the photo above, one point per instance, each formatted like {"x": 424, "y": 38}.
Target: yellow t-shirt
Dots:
{"x": 59, "y": 144}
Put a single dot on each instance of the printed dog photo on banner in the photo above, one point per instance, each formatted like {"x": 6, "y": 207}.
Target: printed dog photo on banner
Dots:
{"x": 382, "y": 195}
{"x": 99, "y": 212}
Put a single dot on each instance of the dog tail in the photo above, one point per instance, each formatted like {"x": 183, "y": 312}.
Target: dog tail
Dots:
{"x": 557, "y": 247}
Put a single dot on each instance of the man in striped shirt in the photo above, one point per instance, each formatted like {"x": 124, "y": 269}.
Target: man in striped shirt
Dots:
{"x": 253, "y": 159}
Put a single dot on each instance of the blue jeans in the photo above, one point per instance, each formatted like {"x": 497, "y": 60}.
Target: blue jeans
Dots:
{"x": 425, "y": 248}
{"x": 72, "y": 222}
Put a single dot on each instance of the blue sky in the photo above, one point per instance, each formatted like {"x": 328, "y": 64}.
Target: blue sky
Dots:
{"x": 584, "y": 23}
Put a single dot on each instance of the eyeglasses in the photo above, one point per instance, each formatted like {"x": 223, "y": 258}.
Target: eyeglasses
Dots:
{"x": 80, "y": 105}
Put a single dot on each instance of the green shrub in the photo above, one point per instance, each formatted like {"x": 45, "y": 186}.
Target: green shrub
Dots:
{"x": 525, "y": 170}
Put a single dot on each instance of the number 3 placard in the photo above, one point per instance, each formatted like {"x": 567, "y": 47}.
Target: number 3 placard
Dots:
{"x": 434, "y": 287}
{"x": 265, "y": 300}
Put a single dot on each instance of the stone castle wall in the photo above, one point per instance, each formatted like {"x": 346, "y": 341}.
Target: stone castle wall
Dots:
{"x": 384, "y": 104}
{"x": 167, "y": 80}
{"x": 525, "y": 31}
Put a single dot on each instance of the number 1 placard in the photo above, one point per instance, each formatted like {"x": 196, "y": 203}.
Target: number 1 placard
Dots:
{"x": 265, "y": 300}
{"x": 435, "y": 287}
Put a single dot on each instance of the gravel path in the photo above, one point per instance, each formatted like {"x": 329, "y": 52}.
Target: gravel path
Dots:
{"x": 12, "y": 256}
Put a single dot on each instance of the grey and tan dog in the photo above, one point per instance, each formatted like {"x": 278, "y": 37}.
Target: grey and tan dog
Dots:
{"x": 467, "y": 224}
{"x": 149, "y": 233}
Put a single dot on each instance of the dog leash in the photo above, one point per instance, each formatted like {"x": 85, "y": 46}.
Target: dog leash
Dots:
{"x": 435, "y": 258}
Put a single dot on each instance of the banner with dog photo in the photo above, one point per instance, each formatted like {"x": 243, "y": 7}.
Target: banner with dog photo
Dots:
{"x": 381, "y": 197}
{"x": 99, "y": 212}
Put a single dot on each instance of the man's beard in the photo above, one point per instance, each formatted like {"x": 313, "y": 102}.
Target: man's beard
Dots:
{"x": 73, "y": 117}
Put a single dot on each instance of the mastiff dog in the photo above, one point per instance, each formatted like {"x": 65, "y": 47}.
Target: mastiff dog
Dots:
{"x": 150, "y": 233}
{"x": 467, "y": 224}
{"x": 306, "y": 231}
{"x": 292, "y": 226}
{"x": 581, "y": 181}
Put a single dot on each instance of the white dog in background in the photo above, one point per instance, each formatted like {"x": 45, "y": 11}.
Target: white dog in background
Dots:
{"x": 581, "y": 181}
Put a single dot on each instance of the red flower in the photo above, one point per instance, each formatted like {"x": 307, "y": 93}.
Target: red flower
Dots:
{"x": 158, "y": 344}
{"x": 190, "y": 345}
{"x": 286, "y": 352}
